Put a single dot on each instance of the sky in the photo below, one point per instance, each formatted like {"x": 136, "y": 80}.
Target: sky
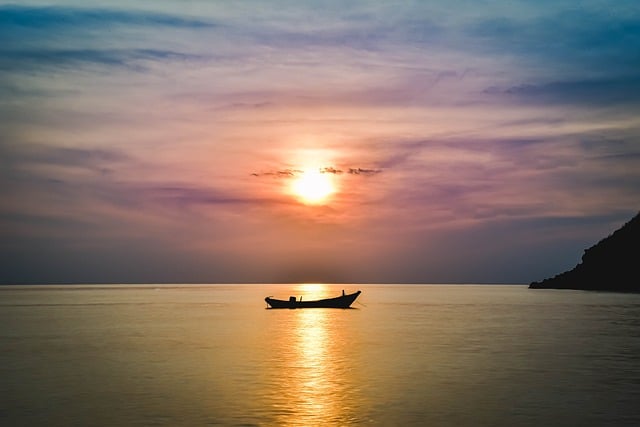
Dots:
{"x": 465, "y": 142}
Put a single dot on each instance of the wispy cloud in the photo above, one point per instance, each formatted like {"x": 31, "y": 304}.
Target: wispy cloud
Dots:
{"x": 36, "y": 59}
{"x": 595, "y": 92}
{"x": 181, "y": 196}
{"x": 16, "y": 17}
{"x": 19, "y": 156}
{"x": 604, "y": 37}
{"x": 38, "y": 38}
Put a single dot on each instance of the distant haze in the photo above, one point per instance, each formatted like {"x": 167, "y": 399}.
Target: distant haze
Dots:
{"x": 158, "y": 141}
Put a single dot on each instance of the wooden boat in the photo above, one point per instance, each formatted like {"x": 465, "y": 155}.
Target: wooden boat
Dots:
{"x": 343, "y": 301}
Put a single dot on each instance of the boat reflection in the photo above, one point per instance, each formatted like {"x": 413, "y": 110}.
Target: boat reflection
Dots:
{"x": 315, "y": 382}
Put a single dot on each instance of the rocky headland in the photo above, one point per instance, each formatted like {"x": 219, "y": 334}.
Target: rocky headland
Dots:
{"x": 613, "y": 264}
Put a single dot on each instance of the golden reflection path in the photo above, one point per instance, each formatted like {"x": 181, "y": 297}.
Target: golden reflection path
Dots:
{"x": 317, "y": 384}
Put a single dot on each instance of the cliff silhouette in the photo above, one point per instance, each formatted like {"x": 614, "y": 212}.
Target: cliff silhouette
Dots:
{"x": 613, "y": 264}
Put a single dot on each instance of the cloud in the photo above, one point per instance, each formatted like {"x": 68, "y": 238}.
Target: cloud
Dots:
{"x": 14, "y": 17}
{"x": 53, "y": 192}
{"x": 20, "y": 157}
{"x": 598, "y": 92}
{"x": 182, "y": 196}
{"x": 34, "y": 59}
{"x": 290, "y": 173}
{"x": 350, "y": 171}
{"x": 42, "y": 37}
{"x": 362, "y": 171}
{"x": 331, "y": 170}
{"x": 283, "y": 173}
{"x": 565, "y": 38}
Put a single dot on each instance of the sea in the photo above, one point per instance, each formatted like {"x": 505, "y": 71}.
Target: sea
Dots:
{"x": 404, "y": 355}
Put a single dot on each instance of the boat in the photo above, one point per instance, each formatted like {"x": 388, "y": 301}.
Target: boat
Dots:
{"x": 342, "y": 301}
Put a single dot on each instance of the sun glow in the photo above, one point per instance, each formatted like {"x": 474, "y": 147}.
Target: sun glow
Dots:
{"x": 313, "y": 187}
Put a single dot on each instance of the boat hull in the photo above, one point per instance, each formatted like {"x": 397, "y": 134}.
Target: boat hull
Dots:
{"x": 343, "y": 301}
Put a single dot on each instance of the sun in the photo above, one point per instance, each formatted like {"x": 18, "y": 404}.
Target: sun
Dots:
{"x": 313, "y": 187}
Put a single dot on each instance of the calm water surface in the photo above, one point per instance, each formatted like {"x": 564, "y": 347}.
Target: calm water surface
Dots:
{"x": 473, "y": 355}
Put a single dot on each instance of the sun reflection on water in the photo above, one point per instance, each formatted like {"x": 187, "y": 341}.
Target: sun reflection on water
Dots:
{"x": 316, "y": 383}
{"x": 312, "y": 354}
{"x": 313, "y": 290}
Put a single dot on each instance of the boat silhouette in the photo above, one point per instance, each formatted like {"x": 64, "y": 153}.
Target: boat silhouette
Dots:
{"x": 342, "y": 301}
